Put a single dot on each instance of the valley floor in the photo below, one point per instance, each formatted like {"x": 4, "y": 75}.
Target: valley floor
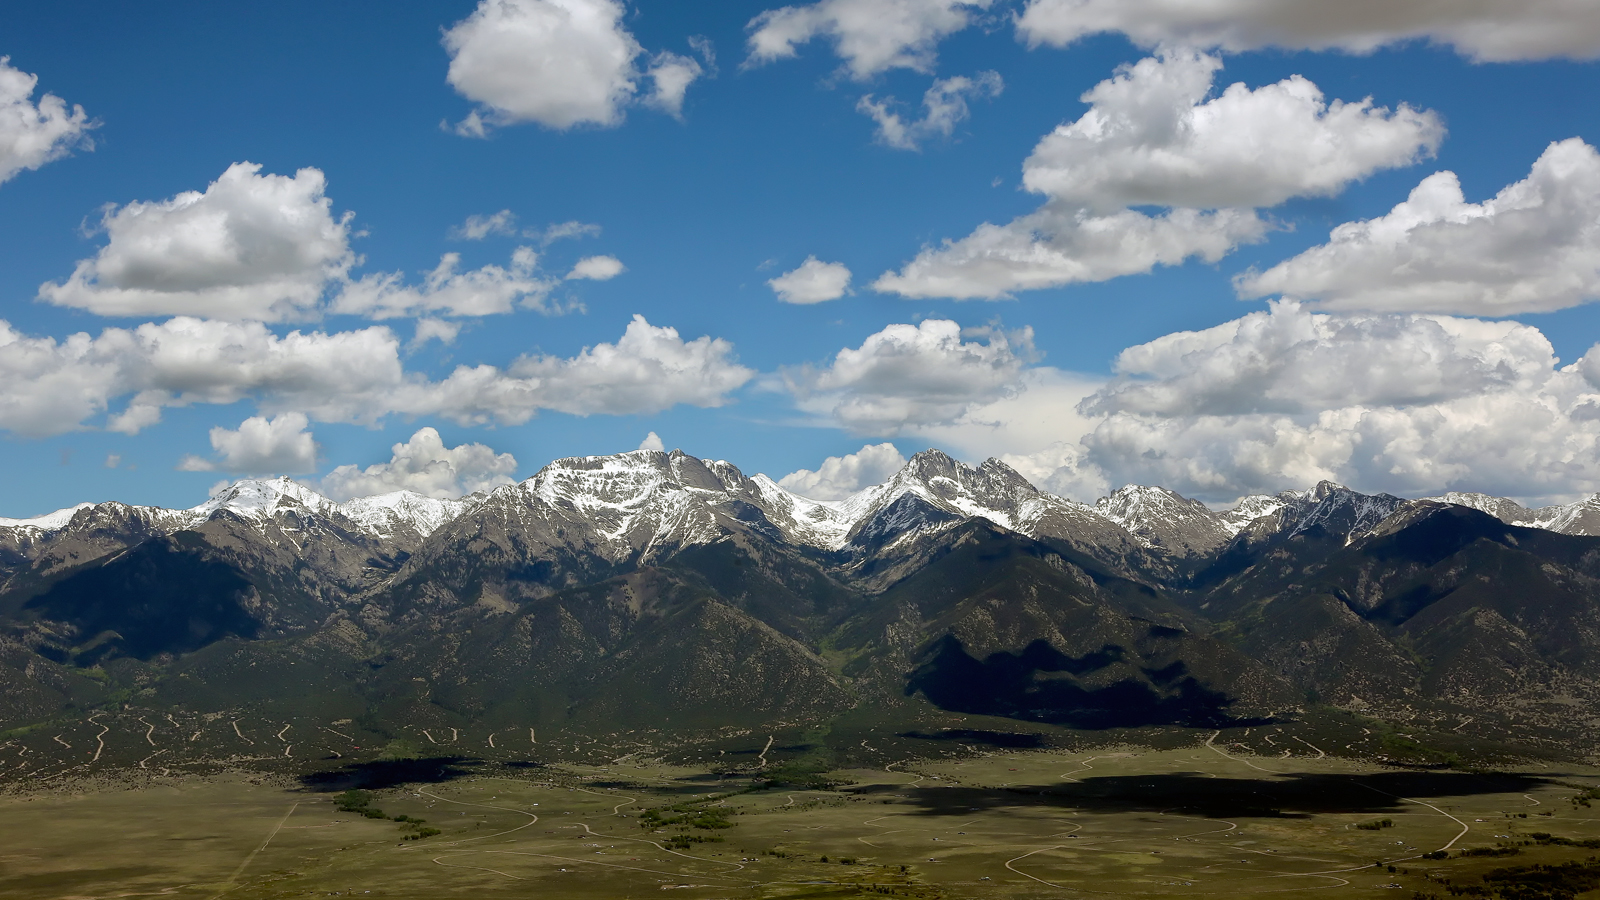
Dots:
{"x": 1200, "y": 821}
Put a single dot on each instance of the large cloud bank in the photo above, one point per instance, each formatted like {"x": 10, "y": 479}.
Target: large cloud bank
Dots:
{"x": 1533, "y": 247}
{"x": 1411, "y": 404}
{"x": 269, "y": 248}
{"x": 1484, "y": 30}
{"x": 1155, "y": 136}
{"x": 1414, "y": 404}
{"x": 50, "y": 387}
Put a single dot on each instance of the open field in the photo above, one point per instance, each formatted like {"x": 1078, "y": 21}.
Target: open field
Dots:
{"x": 1118, "y": 821}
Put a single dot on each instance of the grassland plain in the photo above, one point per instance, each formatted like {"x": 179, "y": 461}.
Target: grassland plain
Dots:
{"x": 1208, "y": 819}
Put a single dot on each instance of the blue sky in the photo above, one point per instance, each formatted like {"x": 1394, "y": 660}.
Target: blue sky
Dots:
{"x": 1437, "y": 356}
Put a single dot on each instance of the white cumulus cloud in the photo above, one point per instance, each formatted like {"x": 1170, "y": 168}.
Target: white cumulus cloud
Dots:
{"x": 596, "y": 268}
{"x": 907, "y": 376}
{"x": 652, "y": 441}
{"x": 32, "y": 134}
{"x": 1153, "y": 138}
{"x": 943, "y": 107}
{"x": 1485, "y": 30}
{"x": 560, "y": 63}
{"x": 1060, "y": 244}
{"x": 1041, "y": 411}
{"x": 648, "y": 370}
{"x": 1289, "y": 360}
{"x": 50, "y": 387}
{"x": 279, "y": 446}
{"x": 1533, "y": 247}
{"x": 250, "y": 246}
{"x": 871, "y": 36}
{"x": 268, "y": 248}
{"x": 424, "y": 465}
{"x": 840, "y": 476}
{"x": 1411, "y": 404}
{"x": 814, "y": 281}
{"x": 485, "y": 291}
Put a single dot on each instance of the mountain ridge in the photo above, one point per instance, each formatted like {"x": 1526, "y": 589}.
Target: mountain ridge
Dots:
{"x": 948, "y": 589}
{"x": 1155, "y": 516}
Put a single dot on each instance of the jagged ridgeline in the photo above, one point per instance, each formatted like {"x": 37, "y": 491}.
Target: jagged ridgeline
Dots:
{"x": 657, "y": 590}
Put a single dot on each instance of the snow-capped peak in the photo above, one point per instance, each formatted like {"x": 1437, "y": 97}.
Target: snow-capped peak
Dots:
{"x": 382, "y": 515}
{"x": 1165, "y": 519}
{"x": 644, "y": 502}
{"x": 54, "y": 521}
{"x": 1337, "y": 508}
{"x": 1136, "y": 505}
{"x": 634, "y": 502}
{"x": 386, "y": 514}
{"x": 1582, "y": 517}
{"x": 992, "y": 490}
{"x": 255, "y": 498}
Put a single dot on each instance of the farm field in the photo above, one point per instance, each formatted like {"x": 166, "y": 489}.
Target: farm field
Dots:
{"x": 1200, "y": 821}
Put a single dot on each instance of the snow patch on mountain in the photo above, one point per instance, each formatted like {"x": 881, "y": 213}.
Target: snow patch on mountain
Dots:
{"x": 814, "y": 523}
{"x": 387, "y": 514}
{"x": 634, "y": 502}
{"x": 1164, "y": 519}
{"x": 1337, "y": 509}
{"x": 1248, "y": 510}
{"x": 54, "y": 521}
{"x": 260, "y": 498}
{"x": 643, "y": 503}
{"x": 1582, "y": 517}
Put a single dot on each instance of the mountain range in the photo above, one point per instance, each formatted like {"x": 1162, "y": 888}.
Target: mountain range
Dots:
{"x": 658, "y": 590}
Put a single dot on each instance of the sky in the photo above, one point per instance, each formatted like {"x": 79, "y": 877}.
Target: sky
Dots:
{"x": 1228, "y": 248}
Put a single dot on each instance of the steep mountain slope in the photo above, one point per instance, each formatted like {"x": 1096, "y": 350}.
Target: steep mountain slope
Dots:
{"x": 1304, "y": 524}
{"x": 1175, "y": 525}
{"x": 176, "y": 593}
{"x": 649, "y": 649}
{"x": 992, "y": 491}
{"x": 261, "y": 559}
{"x": 999, "y": 624}
{"x": 1438, "y": 603}
{"x": 1165, "y": 519}
{"x": 81, "y": 533}
{"x": 577, "y": 520}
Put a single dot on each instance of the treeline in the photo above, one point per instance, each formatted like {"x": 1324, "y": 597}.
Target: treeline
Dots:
{"x": 1561, "y": 881}
{"x": 360, "y": 802}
